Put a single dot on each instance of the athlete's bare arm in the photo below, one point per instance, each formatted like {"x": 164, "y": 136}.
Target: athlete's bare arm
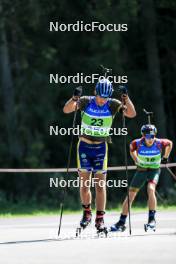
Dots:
{"x": 168, "y": 149}
{"x": 70, "y": 105}
{"x": 130, "y": 109}
{"x": 134, "y": 155}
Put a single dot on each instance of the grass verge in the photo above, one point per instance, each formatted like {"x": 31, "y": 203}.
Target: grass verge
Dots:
{"x": 30, "y": 210}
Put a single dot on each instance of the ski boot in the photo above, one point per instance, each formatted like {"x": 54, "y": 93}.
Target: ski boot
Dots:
{"x": 150, "y": 226}
{"x": 85, "y": 221}
{"x": 99, "y": 224}
{"x": 118, "y": 227}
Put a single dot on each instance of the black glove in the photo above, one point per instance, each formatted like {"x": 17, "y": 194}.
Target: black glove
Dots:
{"x": 77, "y": 92}
{"x": 164, "y": 160}
{"x": 123, "y": 89}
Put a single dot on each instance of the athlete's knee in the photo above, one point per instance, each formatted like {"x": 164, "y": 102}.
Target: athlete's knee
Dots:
{"x": 84, "y": 189}
{"x": 151, "y": 188}
{"x": 151, "y": 193}
{"x": 85, "y": 182}
{"x": 85, "y": 185}
{"x": 100, "y": 186}
{"x": 100, "y": 182}
{"x": 132, "y": 195}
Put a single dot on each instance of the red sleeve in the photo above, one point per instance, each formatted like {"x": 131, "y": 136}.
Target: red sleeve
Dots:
{"x": 133, "y": 146}
{"x": 165, "y": 142}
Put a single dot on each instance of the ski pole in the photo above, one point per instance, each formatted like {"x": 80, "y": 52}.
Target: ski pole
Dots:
{"x": 126, "y": 171}
{"x": 124, "y": 89}
{"x": 68, "y": 165}
{"x": 171, "y": 173}
{"x": 105, "y": 70}
{"x": 149, "y": 115}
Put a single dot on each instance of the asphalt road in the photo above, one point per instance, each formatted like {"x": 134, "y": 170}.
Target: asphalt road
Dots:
{"x": 34, "y": 240}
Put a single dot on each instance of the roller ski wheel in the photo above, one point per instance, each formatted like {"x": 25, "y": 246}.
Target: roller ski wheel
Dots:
{"x": 78, "y": 231}
{"x": 150, "y": 226}
{"x": 101, "y": 228}
{"x": 102, "y": 232}
{"x": 85, "y": 221}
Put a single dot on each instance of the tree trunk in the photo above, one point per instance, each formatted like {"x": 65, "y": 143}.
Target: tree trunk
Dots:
{"x": 8, "y": 99}
{"x": 154, "y": 94}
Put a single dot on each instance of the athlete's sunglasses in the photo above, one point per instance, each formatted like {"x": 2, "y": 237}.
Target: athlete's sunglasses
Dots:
{"x": 148, "y": 136}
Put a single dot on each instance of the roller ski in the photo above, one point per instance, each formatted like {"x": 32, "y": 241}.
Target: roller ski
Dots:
{"x": 118, "y": 227}
{"x": 85, "y": 222}
{"x": 101, "y": 228}
{"x": 150, "y": 226}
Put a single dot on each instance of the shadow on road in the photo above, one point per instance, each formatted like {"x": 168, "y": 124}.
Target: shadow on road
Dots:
{"x": 82, "y": 238}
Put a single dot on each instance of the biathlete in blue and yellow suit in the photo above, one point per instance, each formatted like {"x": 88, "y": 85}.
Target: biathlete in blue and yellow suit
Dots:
{"x": 146, "y": 153}
{"x": 92, "y": 151}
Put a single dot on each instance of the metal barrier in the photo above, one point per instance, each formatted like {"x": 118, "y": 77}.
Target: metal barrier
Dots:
{"x": 28, "y": 170}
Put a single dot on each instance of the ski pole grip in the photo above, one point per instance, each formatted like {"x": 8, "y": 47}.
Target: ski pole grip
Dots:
{"x": 77, "y": 92}
{"x": 123, "y": 89}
